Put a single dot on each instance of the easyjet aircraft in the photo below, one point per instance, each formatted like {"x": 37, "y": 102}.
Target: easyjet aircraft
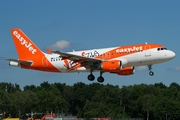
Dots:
{"x": 118, "y": 60}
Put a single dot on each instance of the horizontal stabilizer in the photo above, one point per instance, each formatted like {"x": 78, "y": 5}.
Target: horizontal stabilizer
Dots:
{"x": 27, "y": 63}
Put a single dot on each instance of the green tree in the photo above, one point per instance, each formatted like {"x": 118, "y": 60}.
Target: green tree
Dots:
{"x": 5, "y": 102}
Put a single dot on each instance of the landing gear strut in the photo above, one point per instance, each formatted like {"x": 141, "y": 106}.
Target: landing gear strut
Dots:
{"x": 91, "y": 76}
{"x": 100, "y": 78}
{"x": 151, "y": 73}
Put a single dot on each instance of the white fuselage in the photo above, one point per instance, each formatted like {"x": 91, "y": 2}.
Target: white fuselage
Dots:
{"x": 146, "y": 57}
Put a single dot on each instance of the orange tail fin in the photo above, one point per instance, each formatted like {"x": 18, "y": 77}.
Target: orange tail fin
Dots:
{"x": 24, "y": 46}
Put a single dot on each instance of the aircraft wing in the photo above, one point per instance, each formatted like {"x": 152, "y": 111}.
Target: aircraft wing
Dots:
{"x": 27, "y": 63}
{"x": 78, "y": 58}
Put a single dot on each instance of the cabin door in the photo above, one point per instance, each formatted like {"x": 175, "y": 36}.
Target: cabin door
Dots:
{"x": 147, "y": 51}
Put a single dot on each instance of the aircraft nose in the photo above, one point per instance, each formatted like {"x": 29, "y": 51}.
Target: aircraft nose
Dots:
{"x": 171, "y": 55}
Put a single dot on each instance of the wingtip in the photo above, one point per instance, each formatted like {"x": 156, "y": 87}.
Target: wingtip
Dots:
{"x": 48, "y": 50}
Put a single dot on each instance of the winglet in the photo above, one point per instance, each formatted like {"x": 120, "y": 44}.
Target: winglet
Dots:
{"x": 48, "y": 50}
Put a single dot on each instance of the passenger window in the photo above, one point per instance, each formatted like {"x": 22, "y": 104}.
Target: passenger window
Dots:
{"x": 158, "y": 49}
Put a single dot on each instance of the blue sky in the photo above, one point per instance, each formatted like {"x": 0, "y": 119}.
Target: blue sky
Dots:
{"x": 87, "y": 24}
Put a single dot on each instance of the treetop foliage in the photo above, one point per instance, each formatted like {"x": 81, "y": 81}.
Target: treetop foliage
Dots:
{"x": 156, "y": 101}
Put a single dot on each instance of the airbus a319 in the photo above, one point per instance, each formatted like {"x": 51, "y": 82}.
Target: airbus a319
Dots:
{"x": 119, "y": 60}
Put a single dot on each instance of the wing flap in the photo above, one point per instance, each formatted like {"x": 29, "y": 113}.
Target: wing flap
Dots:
{"x": 74, "y": 57}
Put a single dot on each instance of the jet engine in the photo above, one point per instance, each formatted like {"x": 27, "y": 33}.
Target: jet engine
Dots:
{"x": 126, "y": 71}
{"x": 111, "y": 66}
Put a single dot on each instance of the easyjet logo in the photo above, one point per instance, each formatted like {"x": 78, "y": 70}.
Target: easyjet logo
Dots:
{"x": 24, "y": 42}
{"x": 130, "y": 49}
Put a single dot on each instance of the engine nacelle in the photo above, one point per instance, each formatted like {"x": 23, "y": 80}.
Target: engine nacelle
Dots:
{"x": 126, "y": 71}
{"x": 111, "y": 66}
{"x": 14, "y": 63}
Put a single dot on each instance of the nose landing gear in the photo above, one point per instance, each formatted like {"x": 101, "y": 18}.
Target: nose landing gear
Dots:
{"x": 151, "y": 73}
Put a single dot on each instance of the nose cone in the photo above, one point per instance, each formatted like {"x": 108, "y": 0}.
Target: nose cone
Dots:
{"x": 171, "y": 55}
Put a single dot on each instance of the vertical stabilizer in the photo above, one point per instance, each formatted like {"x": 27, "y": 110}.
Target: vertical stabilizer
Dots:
{"x": 24, "y": 46}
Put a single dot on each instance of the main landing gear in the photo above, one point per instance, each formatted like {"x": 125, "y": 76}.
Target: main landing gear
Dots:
{"x": 91, "y": 77}
{"x": 99, "y": 79}
{"x": 151, "y": 73}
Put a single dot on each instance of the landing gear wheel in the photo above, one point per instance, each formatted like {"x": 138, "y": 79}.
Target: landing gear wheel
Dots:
{"x": 91, "y": 77}
{"x": 151, "y": 73}
{"x": 100, "y": 79}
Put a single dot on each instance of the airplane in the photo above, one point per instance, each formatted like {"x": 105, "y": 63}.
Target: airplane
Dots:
{"x": 120, "y": 60}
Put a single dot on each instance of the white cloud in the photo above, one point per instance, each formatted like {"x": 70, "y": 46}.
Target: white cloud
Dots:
{"x": 177, "y": 68}
{"x": 174, "y": 69}
{"x": 141, "y": 68}
{"x": 60, "y": 45}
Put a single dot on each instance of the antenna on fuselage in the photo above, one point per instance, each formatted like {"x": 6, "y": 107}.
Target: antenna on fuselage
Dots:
{"x": 146, "y": 43}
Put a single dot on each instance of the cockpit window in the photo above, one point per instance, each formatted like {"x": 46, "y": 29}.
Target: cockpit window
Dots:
{"x": 158, "y": 49}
